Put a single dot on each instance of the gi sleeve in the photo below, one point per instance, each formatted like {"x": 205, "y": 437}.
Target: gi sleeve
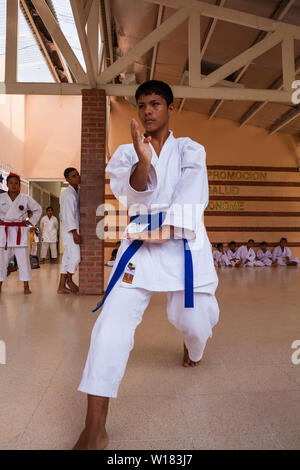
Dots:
{"x": 56, "y": 224}
{"x": 275, "y": 253}
{"x": 191, "y": 193}
{"x": 67, "y": 211}
{"x": 36, "y": 210}
{"x": 120, "y": 168}
{"x": 238, "y": 254}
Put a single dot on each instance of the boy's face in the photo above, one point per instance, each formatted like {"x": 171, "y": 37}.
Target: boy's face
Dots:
{"x": 153, "y": 112}
{"x": 250, "y": 245}
{"x": 264, "y": 248}
{"x": 49, "y": 213}
{"x": 74, "y": 178}
{"x": 282, "y": 243}
{"x": 232, "y": 247}
{"x": 13, "y": 185}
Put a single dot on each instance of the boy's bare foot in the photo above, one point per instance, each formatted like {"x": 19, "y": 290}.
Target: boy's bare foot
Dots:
{"x": 187, "y": 362}
{"x": 64, "y": 290}
{"x": 26, "y": 289}
{"x": 72, "y": 285}
{"x": 92, "y": 439}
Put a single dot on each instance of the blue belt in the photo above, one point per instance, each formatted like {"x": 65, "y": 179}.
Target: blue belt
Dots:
{"x": 154, "y": 222}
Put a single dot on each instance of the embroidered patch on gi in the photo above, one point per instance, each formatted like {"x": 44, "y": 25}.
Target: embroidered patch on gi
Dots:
{"x": 129, "y": 273}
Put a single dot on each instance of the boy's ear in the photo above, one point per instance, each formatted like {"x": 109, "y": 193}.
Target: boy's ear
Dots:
{"x": 171, "y": 107}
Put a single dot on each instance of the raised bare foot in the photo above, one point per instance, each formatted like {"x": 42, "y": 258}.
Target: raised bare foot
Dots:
{"x": 72, "y": 285}
{"x": 92, "y": 440}
{"x": 187, "y": 362}
{"x": 64, "y": 290}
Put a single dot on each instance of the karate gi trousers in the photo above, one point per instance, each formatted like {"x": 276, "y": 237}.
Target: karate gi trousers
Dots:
{"x": 113, "y": 333}
{"x": 71, "y": 256}
{"x": 23, "y": 260}
{"x": 45, "y": 248}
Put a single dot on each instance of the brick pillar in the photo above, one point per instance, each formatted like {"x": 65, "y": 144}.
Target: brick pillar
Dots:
{"x": 93, "y": 137}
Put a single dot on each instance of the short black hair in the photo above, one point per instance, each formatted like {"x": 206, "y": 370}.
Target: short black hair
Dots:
{"x": 68, "y": 171}
{"x": 155, "y": 87}
{"x": 13, "y": 175}
{"x": 283, "y": 238}
{"x": 219, "y": 245}
{"x": 232, "y": 243}
{"x": 263, "y": 243}
{"x": 50, "y": 207}
{"x": 251, "y": 240}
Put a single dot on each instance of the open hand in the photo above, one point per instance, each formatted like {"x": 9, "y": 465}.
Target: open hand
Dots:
{"x": 141, "y": 146}
{"x": 77, "y": 238}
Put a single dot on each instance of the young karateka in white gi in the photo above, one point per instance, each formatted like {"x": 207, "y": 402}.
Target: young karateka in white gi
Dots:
{"x": 231, "y": 253}
{"x": 14, "y": 230}
{"x": 264, "y": 255}
{"x": 282, "y": 254}
{"x": 156, "y": 173}
{"x": 70, "y": 216}
{"x": 220, "y": 257}
{"x": 49, "y": 229}
{"x": 246, "y": 256}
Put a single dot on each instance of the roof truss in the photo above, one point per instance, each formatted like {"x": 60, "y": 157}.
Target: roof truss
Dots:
{"x": 207, "y": 87}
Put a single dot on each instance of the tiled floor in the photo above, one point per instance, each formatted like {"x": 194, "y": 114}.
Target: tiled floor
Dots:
{"x": 245, "y": 394}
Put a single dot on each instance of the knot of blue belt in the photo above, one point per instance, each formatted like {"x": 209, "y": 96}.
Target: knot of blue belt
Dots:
{"x": 154, "y": 222}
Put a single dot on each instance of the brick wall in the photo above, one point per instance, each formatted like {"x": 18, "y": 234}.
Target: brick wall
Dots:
{"x": 91, "y": 270}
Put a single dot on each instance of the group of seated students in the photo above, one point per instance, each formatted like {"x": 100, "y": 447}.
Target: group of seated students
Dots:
{"x": 245, "y": 256}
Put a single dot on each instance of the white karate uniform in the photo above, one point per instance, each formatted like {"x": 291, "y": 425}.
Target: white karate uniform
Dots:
{"x": 16, "y": 211}
{"x": 231, "y": 256}
{"x": 221, "y": 258}
{"x": 265, "y": 258}
{"x": 280, "y": 255}
{"x": 49, "y": 228}
{"x": 179, "y": 177}
{"x": 70, "y": 216}
{"x": 243, "y": 253}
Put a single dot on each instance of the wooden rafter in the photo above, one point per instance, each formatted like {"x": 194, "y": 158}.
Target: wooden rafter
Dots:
{"x": 80, "y": 25}
{"x": 206, "y": 39}
{"x": 11, "y": 53}
{"x": 285, "y": 119}
{"x": 143, "y": 46}
{"x": 155, "y": 49}
{"x": 280, "y": 11}
{"x": 257, "y": 106}
{"x": 232, "y": 16}
{"x": 54, "y": 29}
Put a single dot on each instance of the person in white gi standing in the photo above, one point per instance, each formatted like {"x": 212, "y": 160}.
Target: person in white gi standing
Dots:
{"x": 14, "y": 230}
{"x": 70, "y": 216}
{"x": 155, "y": 173}
{"x": 282, "y": 255}
{"x": 49, "y": 229}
